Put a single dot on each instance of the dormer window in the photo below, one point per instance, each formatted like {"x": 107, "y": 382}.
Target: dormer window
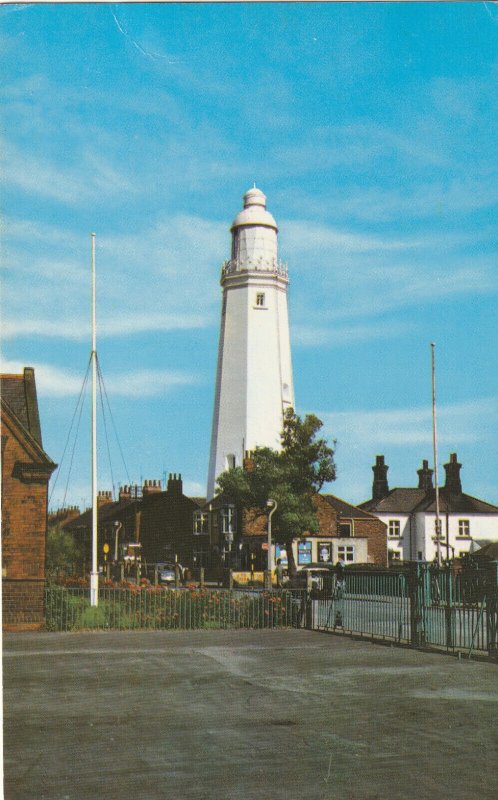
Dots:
{"x": 260, "y": 299}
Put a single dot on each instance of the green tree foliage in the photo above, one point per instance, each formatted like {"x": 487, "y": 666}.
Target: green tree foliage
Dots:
{"x": 62, "y": 551}
{"x": 290, "y": 477}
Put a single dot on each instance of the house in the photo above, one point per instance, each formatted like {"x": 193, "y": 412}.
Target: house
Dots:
{"x": 410, "y": 514}
{"x": 26, "y": 471}
{"x": 118, "y": 522}
{"x": 159, "y": 521}
{"x": 166, "y": 527}
{"x": 237, "y": 538}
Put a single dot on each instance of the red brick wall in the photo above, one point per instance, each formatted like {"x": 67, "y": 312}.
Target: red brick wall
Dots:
{"x": 24, "y": 522}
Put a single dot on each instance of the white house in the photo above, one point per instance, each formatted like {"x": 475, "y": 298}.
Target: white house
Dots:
{"x": 410, "y": 515}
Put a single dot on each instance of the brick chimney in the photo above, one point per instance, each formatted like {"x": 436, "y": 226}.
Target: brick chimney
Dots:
{"x": 104, "y": 498}
{"x": 151, "y": 487}
{"x": 453, "y": 483}
{"x": 124, "y": 493}
{"x": 380, "y": 486}
{"x": 175, "y": 485}
{"x": 248, "y": 462}
{"x": 425, "y": 477}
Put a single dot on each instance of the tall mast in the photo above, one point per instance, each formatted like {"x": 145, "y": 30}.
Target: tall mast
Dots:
{"x": 434, "y": 445}
{"x": 94, "y": 577}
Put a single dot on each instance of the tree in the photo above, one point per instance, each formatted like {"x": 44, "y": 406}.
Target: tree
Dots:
{"x": 62, "y": 552}
{"x": 290, "y": 477}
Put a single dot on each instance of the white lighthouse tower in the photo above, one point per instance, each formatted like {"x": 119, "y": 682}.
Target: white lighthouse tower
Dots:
{"x": 254, "y": 379}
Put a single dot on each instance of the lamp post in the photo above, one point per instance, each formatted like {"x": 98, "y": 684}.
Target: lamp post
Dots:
{"x": 271, "y": 504}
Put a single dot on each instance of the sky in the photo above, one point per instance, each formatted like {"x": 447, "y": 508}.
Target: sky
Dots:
{"x": 371, "y": 128}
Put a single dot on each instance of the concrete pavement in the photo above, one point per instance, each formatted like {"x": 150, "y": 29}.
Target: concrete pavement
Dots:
{"x": 227, "y": 715}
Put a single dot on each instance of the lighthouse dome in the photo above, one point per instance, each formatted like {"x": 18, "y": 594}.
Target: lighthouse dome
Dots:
{"x": 254, "y": 212}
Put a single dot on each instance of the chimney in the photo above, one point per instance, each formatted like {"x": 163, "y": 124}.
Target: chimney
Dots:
{"x": 453, "y": 483}
{"x": 425, "y": 477}
{"x": 124, "y": 493}
{"x": 248, "y": 462}
{"x": 104, "y": 498}
{"x": 380, "y": 486}
{"x": 151, "y": 487}
{"x": 175, "y": 485}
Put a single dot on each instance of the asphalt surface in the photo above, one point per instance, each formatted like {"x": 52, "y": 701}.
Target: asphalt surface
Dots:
{"x": 226, "y": 715}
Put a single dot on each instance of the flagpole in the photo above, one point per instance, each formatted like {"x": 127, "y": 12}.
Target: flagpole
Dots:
{"x": 94, "y": 577}
{"x": 434, "y": 446}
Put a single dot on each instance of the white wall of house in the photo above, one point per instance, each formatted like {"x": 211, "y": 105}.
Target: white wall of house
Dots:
{"x": 351, "y": 550}
{"x": 416, "y": 534}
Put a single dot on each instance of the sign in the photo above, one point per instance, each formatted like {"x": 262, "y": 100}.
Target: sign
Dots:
{"x": 264, "y": 545}
{"x": 281, "y": 553}
{"x": 304, "y": 553}
{"x": 106, "y": 548}
{"x": 324, "y": 552}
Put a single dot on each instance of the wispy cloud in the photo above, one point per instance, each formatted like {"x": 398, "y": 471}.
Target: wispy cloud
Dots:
{"x": 458, "y": 423}
{"x": 56, "y": 382}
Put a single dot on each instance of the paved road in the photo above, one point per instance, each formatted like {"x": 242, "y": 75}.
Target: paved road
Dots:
{"x": 226, "y": 715}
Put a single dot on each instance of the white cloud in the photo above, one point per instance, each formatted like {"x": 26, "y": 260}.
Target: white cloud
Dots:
{"x": 55, "y": 382}
{"x": 458, "y": 423}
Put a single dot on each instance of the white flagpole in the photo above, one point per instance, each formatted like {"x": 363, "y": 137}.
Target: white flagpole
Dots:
{"x": 434, "y": 445}
{"x": 94, "y": 577}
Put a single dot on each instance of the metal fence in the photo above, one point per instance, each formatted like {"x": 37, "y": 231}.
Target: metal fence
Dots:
{"x": 421, "y": 605}
{"x": 160, "y": 608}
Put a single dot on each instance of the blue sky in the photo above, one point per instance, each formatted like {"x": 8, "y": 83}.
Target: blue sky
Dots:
{"x": 372, "y": 130}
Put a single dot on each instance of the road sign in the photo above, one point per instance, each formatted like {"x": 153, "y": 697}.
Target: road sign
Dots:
{"x": 106, "y": 548}
{"x": 264, "y": 545}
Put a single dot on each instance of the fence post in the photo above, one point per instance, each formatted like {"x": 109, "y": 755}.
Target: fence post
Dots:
{"x": 492, "y": 610}
{"x": 416, "y": 587}
{"x": 449, "y": 606}
{"x": 267, "y": 575}
{"x": 201, "y": 577}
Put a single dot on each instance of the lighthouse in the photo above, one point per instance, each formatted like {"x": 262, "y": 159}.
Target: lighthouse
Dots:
{"x": 254, "y": 375}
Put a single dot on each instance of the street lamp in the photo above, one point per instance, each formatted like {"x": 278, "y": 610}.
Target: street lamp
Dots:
{"x": 271, "y": 504}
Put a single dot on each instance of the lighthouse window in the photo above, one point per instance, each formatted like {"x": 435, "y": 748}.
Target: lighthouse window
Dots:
{"x": 260, "y": 299}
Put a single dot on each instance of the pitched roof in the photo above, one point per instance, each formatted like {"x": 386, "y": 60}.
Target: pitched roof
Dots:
{"x": 105, "y": 512}
{"x": 406, "y": 501}
{"x": 19, "y": 393}
{"x": 400, "y": 501}
{"x": 345, "y": 509}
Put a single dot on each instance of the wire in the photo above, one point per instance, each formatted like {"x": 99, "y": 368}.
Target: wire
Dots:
{"x": 113, "y": 423}
{"x": 73, "y": 451}
{"x": 85, "y": 380}
{"x": 101, "y": 382}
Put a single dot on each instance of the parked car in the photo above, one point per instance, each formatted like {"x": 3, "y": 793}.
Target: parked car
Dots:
{"x": 166, "y": 572}
{"x": 321, "y": 577}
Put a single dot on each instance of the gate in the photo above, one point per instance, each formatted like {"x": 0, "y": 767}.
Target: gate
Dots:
{"x": 418, "y": 604}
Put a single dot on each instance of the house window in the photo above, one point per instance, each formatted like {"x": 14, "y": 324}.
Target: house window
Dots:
{"x": 201, "y": 555}
{"x": 228, "y": 520}
{"x": 230, "y": 461}
{"x": 394, "y": 555}
{"x": 260, "y": 299}
{"x": 344, "y": 529}
{"x": 345, "y": 552}
{"x": 324, "y": 552}
{"x": 394, "y": 530}
{"x": 464, "y": 528}
{"x": 420, "y": 555}
{"x": 304, "y": 553}
{"x": 200, "y": 522}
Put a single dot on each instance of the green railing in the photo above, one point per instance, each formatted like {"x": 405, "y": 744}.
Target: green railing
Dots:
{"x": 419, "y": 605}
{"x": 159, "y": 608}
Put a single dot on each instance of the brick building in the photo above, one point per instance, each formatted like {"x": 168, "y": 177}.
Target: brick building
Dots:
{"x": 161, "y": 522}
{"x": 26, "y": 471}
{"x": 237, "y": 537}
